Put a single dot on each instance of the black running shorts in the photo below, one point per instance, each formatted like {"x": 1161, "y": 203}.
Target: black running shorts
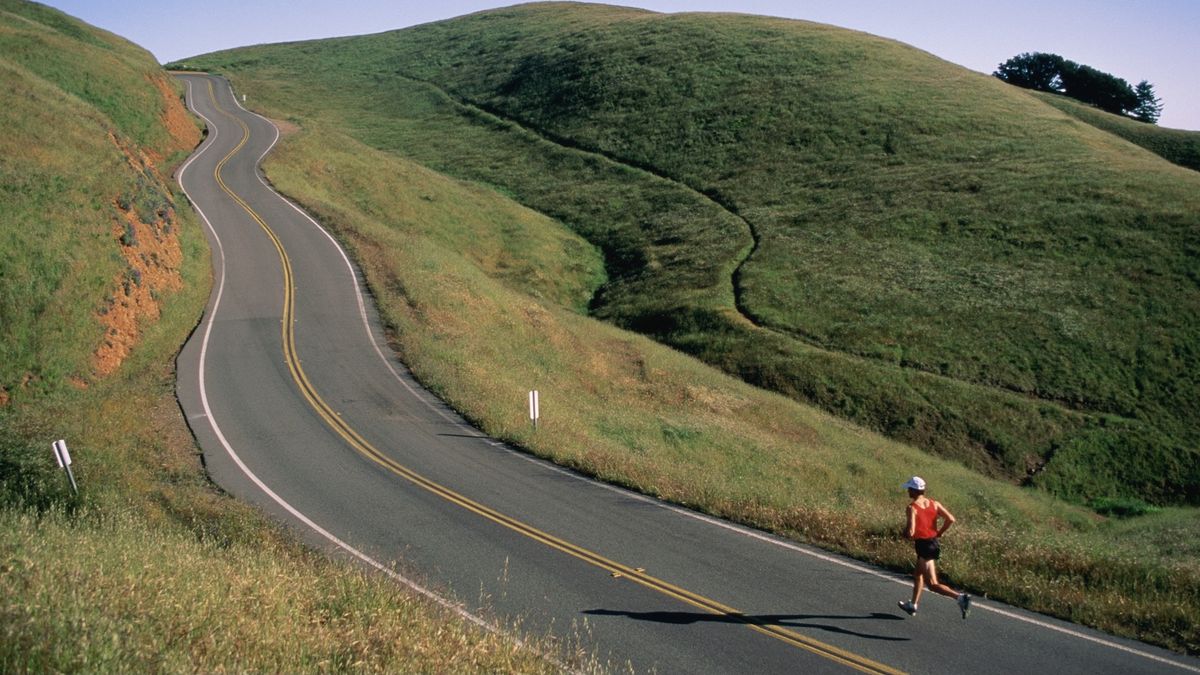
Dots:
{"x": 928, "y": 549}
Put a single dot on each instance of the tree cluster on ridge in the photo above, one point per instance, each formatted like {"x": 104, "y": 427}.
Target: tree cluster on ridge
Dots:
{"x": 1053, "y": 73}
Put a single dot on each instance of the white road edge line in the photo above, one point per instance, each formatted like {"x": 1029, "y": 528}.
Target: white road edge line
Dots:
{"x": 209, "y": 320}
{"x": 650, "y": 500}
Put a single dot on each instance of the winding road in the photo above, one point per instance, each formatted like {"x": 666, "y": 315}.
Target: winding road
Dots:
{"x": 300, "y": 408}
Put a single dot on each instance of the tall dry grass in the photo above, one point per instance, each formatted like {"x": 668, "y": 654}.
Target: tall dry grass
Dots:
{"x": 105, "y": 591}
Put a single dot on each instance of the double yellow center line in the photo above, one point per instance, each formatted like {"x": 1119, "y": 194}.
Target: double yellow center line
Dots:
{"x": 365, "y": 448}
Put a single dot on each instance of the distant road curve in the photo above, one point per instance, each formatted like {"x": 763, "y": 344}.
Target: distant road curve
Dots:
{"x": 299, "y": 409}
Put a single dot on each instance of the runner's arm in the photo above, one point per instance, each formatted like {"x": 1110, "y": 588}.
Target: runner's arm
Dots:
{"x": 947, "y": 518}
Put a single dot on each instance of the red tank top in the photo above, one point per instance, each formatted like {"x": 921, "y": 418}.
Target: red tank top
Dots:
{"x": 926, "y": 526}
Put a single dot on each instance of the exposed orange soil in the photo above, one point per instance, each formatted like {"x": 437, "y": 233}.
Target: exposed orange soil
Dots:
{"x": 154, "y": 258}
{"x": 151, "y": 250}
{"x": 176, "y": 119}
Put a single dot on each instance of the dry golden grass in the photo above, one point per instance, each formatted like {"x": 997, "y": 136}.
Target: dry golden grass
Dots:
{"x": 106, "y": 592}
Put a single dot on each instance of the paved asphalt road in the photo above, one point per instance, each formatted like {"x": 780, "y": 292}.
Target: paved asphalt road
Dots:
{"x": 299, "y": 410}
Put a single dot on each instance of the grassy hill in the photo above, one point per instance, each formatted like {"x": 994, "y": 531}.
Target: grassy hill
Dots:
{"x": 843, "y": 219}
{"x": 66, "y": 187}
{"x": 679, "y": 254}
{"x": 1177, "y": 146}
{"x": 103, "y": 274}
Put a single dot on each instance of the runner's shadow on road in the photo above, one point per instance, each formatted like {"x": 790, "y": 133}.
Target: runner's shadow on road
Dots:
{"x": 781, "y": 620}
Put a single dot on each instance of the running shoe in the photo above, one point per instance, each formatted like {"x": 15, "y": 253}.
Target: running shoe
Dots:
{"x": 964, "y": 603}
{"x": 907, "y": 606}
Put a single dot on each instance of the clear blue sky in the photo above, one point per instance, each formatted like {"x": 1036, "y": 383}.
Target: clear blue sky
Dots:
{"x": 1155, "y": 40}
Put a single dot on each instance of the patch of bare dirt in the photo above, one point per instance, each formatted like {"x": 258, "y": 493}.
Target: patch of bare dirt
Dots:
{"x": 285, "y": 128}
{"x": 153, "y": 257}
{"x": 3, "y": 397}
{"x": 148, "y": 239}
{"x": 175, "y": 118}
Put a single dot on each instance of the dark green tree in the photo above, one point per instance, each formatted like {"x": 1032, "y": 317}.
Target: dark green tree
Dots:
{"x": 1053, "y": 73}
{"x": 1149, "y": 106}
{"x": 1036, "y": 70}
{"x": 1107, "y": 92}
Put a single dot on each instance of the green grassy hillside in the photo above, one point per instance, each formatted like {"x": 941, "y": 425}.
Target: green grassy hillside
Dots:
{"x": 844, "y": 219}
{"x": 1177, "y": 146}
{"x": 60, "y": 184}
{"x": 150, "y": 568}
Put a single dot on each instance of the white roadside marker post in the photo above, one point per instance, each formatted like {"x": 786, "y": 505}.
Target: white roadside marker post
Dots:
{"x": 64, "y": 462}
{"x": 533, "y": 407}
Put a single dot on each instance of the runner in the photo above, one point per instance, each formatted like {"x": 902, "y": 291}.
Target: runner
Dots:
{"x": 923, "y": 515}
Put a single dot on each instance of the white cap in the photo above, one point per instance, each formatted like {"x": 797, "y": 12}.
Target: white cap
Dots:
{"x": 915, "y": 483}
